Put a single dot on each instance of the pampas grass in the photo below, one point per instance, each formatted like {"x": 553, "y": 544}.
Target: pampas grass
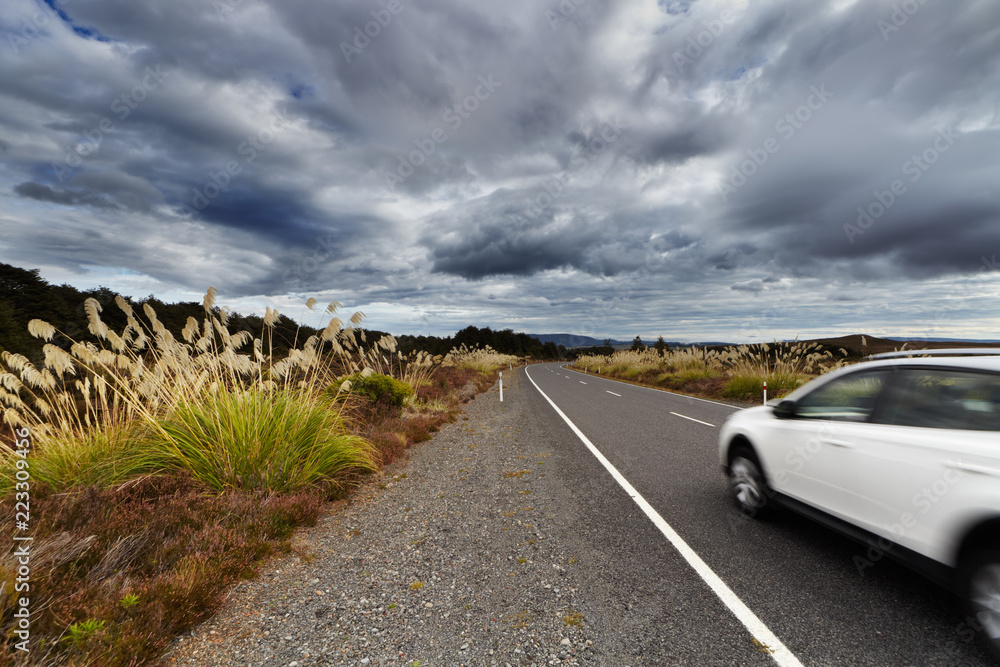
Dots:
{"x": 484, "y": 360}
{"x": 102, "y": 414}
{"x": 743, "y": 369}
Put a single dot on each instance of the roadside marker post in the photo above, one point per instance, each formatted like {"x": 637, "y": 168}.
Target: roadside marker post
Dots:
{"x": 501, "y": 386}
{"x": 765, "y": 392}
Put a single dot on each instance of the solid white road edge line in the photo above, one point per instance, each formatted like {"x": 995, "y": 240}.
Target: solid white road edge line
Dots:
{"x": 760, "y": 632}
{"x": 677, "y": 414}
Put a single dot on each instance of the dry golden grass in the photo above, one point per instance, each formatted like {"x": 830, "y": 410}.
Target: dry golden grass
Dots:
{"x": 484, "y": 360}
{"x": 102, "y": 414}
{"x": 164, "y": 468}
{"x": 736, "y": 371}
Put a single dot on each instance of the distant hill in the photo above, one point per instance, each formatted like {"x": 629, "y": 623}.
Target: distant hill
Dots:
{"x": 573, "y": 340}
{"x": 852, "y": 343}
{"x": 874, "y": 345}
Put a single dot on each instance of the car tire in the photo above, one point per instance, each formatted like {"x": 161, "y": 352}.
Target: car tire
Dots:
{"x": 747, "y": 483}
{"x": 981, "y": 589}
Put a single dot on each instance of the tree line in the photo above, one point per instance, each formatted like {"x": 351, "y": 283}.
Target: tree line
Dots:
{"x": 25, "y": 295}
{"x": 505, "y": 341}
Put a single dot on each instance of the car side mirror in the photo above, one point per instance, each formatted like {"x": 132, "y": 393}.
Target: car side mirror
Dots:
{"x": 785, "y": 409}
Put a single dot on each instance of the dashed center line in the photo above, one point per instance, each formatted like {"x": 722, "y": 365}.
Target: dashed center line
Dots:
{"x": 613, "y": 393}
{"x": 582, "y": 382}
{"x": 692, "y": 419}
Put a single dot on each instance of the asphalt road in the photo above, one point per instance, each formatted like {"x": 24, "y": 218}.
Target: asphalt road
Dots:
{"x": 799, "y": 579}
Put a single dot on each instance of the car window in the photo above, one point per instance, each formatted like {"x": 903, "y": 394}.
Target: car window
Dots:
{"x": 932, "y": 398}
{"x": 850, "y": 398}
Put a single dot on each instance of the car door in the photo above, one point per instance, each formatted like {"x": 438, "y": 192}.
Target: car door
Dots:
{"x": 811, "y": 445}
{"x": 920, "y": 466}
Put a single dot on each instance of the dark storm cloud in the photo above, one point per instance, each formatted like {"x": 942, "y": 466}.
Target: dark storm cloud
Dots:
{"x": 495, "y": 237}
{"x": 45, "y": 193}
{"x": 747, "y": 135}
{"x": 925, "y": 86}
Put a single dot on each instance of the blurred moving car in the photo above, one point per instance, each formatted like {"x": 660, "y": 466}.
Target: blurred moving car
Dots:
{"x": 902, "y": 454}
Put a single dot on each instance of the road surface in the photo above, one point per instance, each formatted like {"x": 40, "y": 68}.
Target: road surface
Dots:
{"x": 726, "y": 590}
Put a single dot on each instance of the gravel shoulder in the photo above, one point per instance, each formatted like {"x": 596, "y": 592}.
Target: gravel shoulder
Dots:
{"x": 452, "y": 556}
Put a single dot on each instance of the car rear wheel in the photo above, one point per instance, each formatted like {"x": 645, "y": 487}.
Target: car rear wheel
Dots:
{"x": 746, "y": 481}
{"x": 982, "y": 592}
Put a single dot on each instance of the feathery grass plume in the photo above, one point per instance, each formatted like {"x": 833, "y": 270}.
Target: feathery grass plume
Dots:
{"x": 123, "y": 305}
{"x": 150, "y": 315}
{"x": 485, "y": 359}
{"x": 138, "y": 338}
{"x": 10, "y": 382}
{"x": 60, "y": 361}
{"x": 190, "y": 330}
{"x": 16, "y": 362}
{"x": 41, "y": 329}
{"x": 94, "y": 324}
{"x": 311, "y": 303}
{"x": 332, "y": 329}
{"x": 209, "y": 301}
{"x": 417, "y": 368}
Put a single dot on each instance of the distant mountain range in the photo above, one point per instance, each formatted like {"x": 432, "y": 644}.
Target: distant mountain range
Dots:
{"x": 573, "y": 340}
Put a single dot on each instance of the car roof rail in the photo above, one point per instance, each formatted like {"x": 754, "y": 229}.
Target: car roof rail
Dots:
{"x": 944, "y": 352}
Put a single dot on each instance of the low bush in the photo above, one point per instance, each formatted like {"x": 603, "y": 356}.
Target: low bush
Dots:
{"x": 379, "y": 388}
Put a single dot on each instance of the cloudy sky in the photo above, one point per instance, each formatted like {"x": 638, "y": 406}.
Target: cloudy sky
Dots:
{"x": 697, "y": 169}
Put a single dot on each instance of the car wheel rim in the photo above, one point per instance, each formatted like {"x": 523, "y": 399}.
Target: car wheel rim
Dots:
{"x": 746, "y": 483}
{"x": 984, "y": 594}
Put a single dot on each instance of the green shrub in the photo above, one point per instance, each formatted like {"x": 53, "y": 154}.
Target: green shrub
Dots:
{"x": 377, "y": 387}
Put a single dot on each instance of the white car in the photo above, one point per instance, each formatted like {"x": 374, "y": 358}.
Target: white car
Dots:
{"x": 902, "y": 454}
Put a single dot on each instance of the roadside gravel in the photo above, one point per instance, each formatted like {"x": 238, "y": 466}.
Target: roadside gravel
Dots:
{"x": 458, "y": 555}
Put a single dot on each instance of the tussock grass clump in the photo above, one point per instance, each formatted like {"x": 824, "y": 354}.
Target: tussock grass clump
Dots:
{"x": 273, "y": 441}
{"x": 751, "y": 387}
{"x": 737, "y": 372}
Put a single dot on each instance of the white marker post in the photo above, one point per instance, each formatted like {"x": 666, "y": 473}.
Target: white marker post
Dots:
{"x": 501, "y": 386}
{"x": 765, "y": 392}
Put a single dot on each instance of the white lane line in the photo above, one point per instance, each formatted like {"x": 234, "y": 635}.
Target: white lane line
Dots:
{"x": 582, "y": 382}
{"x": 610, "y": 392}
{"x": 692, "y": 419}
{"x": 665, "y": 391}
{"x": 760, "y": 632}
